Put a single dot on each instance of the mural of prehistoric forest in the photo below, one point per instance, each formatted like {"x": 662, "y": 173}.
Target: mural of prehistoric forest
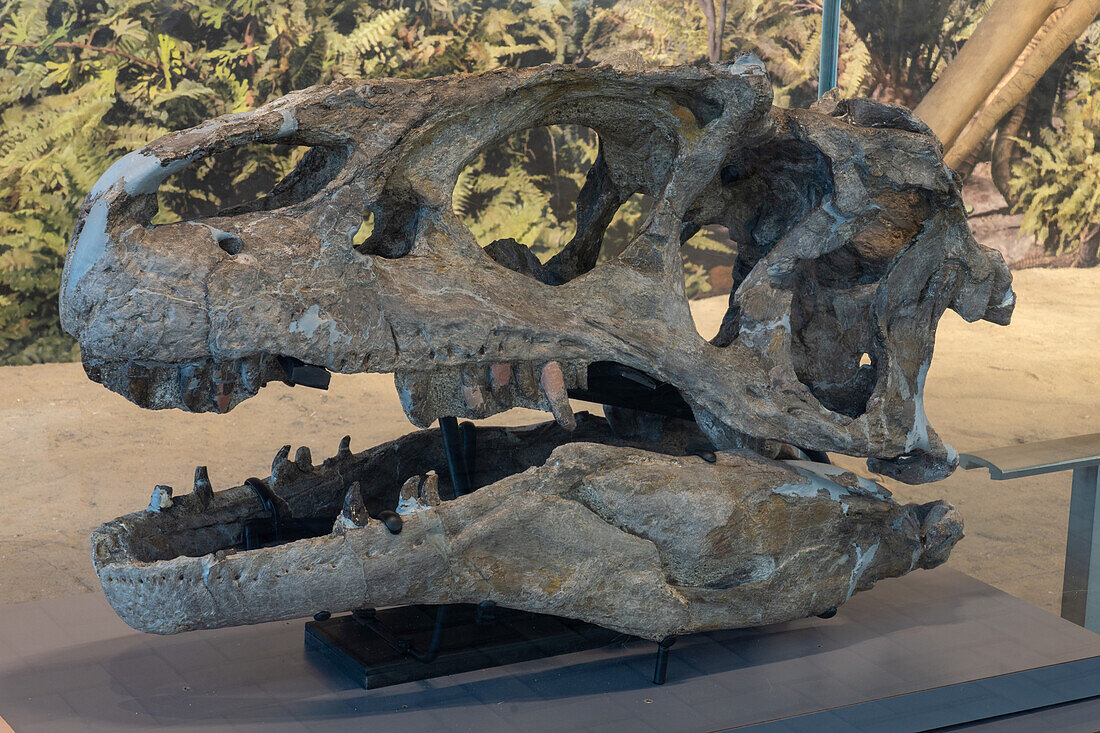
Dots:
{"x": 1012, "y": 87}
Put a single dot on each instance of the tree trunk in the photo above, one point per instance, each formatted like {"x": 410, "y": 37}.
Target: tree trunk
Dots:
{"x": 708, "y": 13}
{"x": 714, "y": 11}
{"x": 1006, "y": 151}
{"x": 1000, "y": 38}
{"x": 719, "y": 32}
{"x": 1076, "y": 19}
{"x": 966, "y": 167}
{"x": 1090, "y": 243}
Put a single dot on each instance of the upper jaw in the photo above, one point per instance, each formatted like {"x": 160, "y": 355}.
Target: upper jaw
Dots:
{"x": 172, "y": 316}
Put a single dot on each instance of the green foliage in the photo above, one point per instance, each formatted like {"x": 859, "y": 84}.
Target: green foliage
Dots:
{"x": 1058, "y": 182}
{"x": 910, "y": 41}
{"x": 526, "y": 188}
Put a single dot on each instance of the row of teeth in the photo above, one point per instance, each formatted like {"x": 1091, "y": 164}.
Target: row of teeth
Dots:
{"x": 284, "y": 472}
{"x": 418, "y": 493}
{"x": 203, "y": 386}
{"x": 477, "y": 391}
{"x": 473, "y": 391}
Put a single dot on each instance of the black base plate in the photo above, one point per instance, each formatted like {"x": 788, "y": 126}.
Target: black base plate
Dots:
{"x": 469, "y": 642}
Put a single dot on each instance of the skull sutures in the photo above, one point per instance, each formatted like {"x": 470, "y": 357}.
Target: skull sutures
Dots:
{"x": 852, "y": 241}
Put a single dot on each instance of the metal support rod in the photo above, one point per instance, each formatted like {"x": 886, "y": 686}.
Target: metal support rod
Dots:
{"x": 267, "y": 500}
{"x": 469, "y": 453}
{"x": 1081, "y": 583}
{"x": 660, "y": 670}
{"x": 452, "y": 446}
{"x": 830, "y": 46}
{"x": 368, "y": 618}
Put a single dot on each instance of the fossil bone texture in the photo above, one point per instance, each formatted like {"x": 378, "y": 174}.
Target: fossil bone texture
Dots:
{"x": 648, "y": 541}
{"x": 852, "y": 242}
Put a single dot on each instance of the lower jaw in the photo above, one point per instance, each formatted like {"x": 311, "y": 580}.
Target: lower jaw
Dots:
{"x": 210, "y": 559}
{"x": 151, "y": 560}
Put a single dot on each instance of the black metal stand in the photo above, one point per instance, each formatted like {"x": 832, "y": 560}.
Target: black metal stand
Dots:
{"x": 460, "y": 445}
{"x": 660, "y": 669}
{"x": 396, "y": 645}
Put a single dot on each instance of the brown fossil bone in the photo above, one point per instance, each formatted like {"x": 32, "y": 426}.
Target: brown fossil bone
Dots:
{"x": 647, "y": 540}
{"x": 851, "y": 243}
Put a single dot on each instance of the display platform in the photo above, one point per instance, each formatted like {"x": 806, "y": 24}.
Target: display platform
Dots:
{"x": 932, "y": 649}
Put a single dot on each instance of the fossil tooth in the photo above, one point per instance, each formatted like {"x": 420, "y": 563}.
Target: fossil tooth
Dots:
{"x": 429, "y": 489}
{"x": 203, "y": 491}
{"x": 251, "y": 374}
{"x": 581, "y": 376}
{"x": 474, "y": 397}
{"x": 419, "y": 493}
{"x": 409, "y": 501}
{"x": 138, "y": 378}
{"x": 501, "y": 376}
{"x": 282, "y": 469}
{"x": 223, "y": 397}
{"x": 303, "y": 459}
{"x": 354, "y": 514}
{"x": 420, "y": 394}
{"x": 344, "y": 451}
{"x": 161, "y": 498}
{"x": 192, "y": 381}
{"x": 526, "y": 382}
{"x": 553, "y": 386}
{"x": 281, "y": 457}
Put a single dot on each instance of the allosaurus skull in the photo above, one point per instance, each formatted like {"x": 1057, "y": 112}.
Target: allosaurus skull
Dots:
{"x": 851, "y": 242}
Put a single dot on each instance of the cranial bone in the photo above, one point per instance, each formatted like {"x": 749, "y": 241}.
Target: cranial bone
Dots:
{"x": 852, "y": 241}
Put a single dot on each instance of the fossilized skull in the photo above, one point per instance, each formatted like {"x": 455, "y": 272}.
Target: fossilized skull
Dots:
{"x": 852, "y": 241}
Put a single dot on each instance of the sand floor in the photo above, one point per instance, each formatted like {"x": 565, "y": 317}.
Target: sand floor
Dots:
{"x": 76, "y": 455}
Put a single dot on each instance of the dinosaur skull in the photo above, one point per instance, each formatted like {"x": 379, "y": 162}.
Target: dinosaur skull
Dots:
{"x": 852, "y": 241}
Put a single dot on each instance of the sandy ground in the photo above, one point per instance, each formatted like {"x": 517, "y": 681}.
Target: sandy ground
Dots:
{"x": 77, "y": 455}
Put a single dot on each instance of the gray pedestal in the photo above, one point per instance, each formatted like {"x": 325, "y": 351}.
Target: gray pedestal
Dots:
{"x": 934, "y": 648}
